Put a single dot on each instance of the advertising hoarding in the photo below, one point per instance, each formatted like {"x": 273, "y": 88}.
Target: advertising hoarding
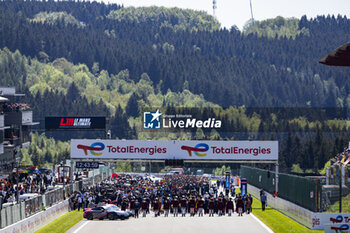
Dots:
{"x": 75, "y": 123}
{"x": 186, "y": 150}
{"x": 331, "y": 222}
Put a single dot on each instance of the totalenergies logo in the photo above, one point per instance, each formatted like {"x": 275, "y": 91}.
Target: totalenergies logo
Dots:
{"x": 97, "y": 146}
{"x": 201, "y": 147}
{"x": 344, "y": 228}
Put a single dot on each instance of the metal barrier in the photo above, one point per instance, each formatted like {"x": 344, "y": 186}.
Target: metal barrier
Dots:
{"x": 32, "y": 206}
{"x": 29, "y": 207}
{"x": 302, "y": 191}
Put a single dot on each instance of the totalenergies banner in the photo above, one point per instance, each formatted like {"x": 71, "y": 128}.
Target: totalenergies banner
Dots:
{"x": 187, "y": 150}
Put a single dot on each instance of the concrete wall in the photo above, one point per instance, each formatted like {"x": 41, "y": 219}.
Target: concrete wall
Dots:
{"x": 37, "y": 221}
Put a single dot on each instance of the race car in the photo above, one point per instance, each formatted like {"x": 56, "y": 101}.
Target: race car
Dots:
{"x": 127, "y": 211}
{"x": 108, "y": 211}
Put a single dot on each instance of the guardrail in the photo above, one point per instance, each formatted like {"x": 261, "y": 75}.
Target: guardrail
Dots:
{"x": 31, "y": 206}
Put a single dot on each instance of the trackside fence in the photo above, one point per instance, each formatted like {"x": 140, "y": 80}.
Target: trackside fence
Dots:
{"x": 29, "y": 207}
{"x": 303, "y": 191}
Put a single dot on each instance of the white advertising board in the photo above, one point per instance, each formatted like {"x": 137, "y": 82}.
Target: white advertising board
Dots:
{"x": 332, "y": 222}
{"x": 187, "y": 150}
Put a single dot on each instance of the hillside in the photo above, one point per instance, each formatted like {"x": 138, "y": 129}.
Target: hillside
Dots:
{"x": 227, "y": 67}
{"x": 62, "y": 88}
{"x": 56, "y": 17}
{"x": 175, "y": 18}
{"x": 276, "y": 28}
{"x": 88, "y": 58}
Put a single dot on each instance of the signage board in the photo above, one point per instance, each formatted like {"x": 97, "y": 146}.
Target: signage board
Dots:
{"x": 331, "y": 222}
{"x": 87, "y": 165}
{"x": 244, "y": 189}
{"x": 227, "y": 180}
{"x": 75, "y": 123}
{"x": 182, "y": 150}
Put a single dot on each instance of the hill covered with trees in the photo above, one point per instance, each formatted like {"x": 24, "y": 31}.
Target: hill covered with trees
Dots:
{"x": 226, "y": 66}
{"x": 88, "y": 57}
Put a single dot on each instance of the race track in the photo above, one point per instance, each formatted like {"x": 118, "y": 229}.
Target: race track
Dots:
{"x": 150, "y": 224}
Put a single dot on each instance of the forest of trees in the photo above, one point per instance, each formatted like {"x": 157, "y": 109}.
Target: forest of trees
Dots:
{"x": 89, "y": 58}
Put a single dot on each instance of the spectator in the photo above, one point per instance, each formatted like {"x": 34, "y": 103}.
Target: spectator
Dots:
{"x": 263, "y": 199}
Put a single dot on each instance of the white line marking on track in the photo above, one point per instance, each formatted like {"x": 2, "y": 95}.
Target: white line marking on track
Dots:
{"x": 79, "y": 228}
{"x": 261, "y": 223}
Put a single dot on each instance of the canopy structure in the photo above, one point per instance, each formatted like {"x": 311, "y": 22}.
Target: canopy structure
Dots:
{"x": 339, "y": 57}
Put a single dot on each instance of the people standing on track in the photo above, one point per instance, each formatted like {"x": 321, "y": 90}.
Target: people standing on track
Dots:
{"x": 249, "y": 205}
{"x": 211, "y": 207}
{"x": 183, "y": 203}
{"x": 132, "y": 205}
{"x": 229, "y": 206}
{"x": 206, "y": 204}
{"x": 156, "y": 207}
{"x": 163, "y": 194}
{"x": 166, "y": 207}
{"x": 144, "y": 207}
{"x": 239, "y": 205}
{"x": 137, "y": 208}
{"x": 124, "y": 204}
{"x": 220, "y": 206}
{"x": 175, "y": 206}
{"x": 192, "y": 206}
{"x": 200, "y": 206}
{"x": 245, "y": 202}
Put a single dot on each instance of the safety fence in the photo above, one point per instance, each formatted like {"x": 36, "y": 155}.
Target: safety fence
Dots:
{"x": 38, "y": 220}
{"x": 302, "y": 191}
{"x": 31, "y": 206}
{"x": 299, "y": 214}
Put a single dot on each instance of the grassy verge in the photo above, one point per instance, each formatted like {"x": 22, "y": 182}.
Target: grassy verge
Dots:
{"x": 334, "y": 208}
{"x": 277, "y": 221}
{"x": 63, "y": 223}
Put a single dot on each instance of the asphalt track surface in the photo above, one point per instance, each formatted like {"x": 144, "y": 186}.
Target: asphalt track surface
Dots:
{"x": 161, "y": 224}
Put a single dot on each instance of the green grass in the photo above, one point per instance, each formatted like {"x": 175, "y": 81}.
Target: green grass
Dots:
{"x": 334, "y": 208}
{"x": 278, "y": 222}
{"x": 63, "y": 223}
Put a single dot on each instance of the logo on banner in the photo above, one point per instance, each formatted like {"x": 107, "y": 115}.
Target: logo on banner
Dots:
{"x": 97, "y": 146}
{"x": 201, "y": 147}
{"x": 338, "y": 220}
{"x": 341, "y": 229}
{"x": 75, "y": 122}
{"x": 152, "y": 120}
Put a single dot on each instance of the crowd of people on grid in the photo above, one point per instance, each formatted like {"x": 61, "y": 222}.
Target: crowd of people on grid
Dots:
{"x": 177, "y": 195}
{"x": 34, "y": 182}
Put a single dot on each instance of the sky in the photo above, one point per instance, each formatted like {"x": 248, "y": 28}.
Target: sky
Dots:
{"x": 237, "y": 12}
